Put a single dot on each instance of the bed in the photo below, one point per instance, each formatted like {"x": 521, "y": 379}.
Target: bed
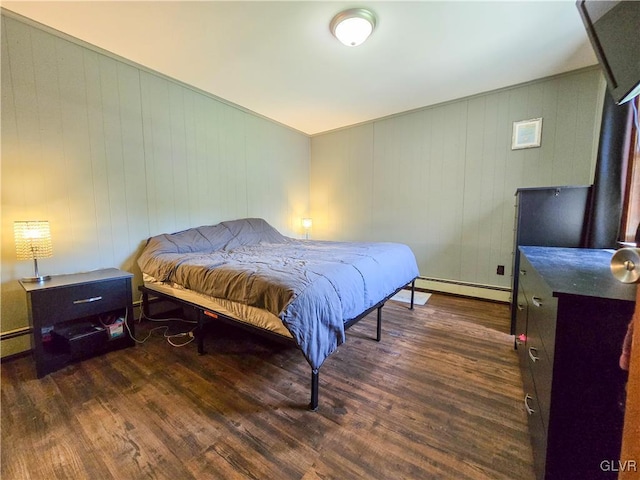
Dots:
{"x": 302, "y": 291}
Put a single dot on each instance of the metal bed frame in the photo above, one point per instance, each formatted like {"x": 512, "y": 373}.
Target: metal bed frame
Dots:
{"x": 205, "y": 314}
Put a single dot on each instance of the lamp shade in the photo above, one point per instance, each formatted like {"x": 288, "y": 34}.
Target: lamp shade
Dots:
{"x": 33, "y": 239}
{"x": 352, "y": 27}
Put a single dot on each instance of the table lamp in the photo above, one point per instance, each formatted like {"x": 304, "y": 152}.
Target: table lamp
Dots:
{"x": 306, "y": 223}
{"x": 33, "y": 241}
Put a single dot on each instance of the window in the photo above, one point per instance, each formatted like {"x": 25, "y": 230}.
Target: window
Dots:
{"x": 631, "y": 206}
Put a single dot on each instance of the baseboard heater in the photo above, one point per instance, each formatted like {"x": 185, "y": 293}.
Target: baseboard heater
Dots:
{"x": 492, "y": 292}
{"x": 18, "y": 332}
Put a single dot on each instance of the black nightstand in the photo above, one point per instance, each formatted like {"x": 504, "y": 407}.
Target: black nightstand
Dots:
{"x": 79, "y": 315}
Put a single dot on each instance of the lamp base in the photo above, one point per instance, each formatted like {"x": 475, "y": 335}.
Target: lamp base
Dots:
{"x": 40, "y": 279}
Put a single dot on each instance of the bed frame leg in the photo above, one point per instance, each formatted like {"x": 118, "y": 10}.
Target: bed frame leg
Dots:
{"x": 145, "y": 304}
{"x": 413, "y": 292}
{"x": 200, "y": 333}
{"x": 313, "y": 405}
{"x": 379, "y": 329}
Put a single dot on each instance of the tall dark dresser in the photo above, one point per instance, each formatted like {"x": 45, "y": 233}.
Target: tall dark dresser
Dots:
{"x": 547, "y": 217}
{"x": 572, "y": 319}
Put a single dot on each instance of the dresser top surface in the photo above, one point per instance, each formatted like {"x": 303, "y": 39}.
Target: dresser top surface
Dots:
{"x": 61, "y": 281}
{"x": 578, "y": 271}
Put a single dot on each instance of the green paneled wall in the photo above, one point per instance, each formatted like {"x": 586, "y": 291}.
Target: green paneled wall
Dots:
{"x": 443, "y": 178}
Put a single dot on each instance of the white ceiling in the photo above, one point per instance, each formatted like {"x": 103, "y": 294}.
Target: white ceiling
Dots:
{"x": 280, "y": 60}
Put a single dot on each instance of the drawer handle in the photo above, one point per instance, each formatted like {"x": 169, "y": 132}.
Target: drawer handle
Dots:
{"x": 529, "y": 410}
{"x": 533, "y": 358}
{"x": 520, "y": 307}
{"x": 537, "y": 301}
{"x": 87, "y": 300}
{"x": 523, "y": 272}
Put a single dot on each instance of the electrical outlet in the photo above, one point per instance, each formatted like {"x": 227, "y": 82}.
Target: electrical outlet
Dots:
{"x": 500, "y": 270}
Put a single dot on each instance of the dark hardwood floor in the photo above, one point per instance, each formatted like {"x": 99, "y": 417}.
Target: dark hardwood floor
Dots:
{"x": 439, "y": 397}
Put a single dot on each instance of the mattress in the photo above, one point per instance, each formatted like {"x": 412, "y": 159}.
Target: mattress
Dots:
{"x": 237, "y": 311}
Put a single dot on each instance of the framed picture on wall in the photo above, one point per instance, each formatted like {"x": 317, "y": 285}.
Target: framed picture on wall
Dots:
{"x": 526, "y": 134}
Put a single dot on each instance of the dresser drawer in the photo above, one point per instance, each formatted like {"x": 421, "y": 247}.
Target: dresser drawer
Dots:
{"x": 537, "y": 427}
{"x": 541, "y": 369}
{"x": 542, "y": 308}
{"x": 77, "y": 301}
{"x": 521, "y": 324}
{"x": 542, "y": 315}
{"x": 533, "y": 287}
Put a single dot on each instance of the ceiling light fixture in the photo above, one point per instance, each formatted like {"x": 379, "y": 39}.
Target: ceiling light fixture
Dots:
{"x": 352, "y": 27}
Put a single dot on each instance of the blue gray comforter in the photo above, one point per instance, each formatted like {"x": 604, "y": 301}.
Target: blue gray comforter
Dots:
{"x": 313, "y": 286}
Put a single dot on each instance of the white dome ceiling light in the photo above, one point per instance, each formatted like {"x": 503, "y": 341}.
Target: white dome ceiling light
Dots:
{"x": 352, "y": 27}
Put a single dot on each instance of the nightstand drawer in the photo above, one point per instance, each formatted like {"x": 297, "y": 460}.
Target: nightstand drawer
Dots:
{"x": 77, "y": 301}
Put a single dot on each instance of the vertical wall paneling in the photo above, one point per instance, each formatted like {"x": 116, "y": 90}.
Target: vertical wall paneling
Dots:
{"x": 202, "y": 126}
{"x": 586, "y": 138}
{"x": 158, "y": 150}
{"x": 191, "y": 156}
{"x": 549, "y": 126}
{"x": 357, "y": 175}
{"x": 178, "y": 156}
{"x": 443, "y": 178}
{"x": 114, "y": 157}
{"x": 135, "y": 192}
{"x": 263, "y": 177}
{"x": 234, "y": 155}
{"x": 566, "y": 124}
{"x": 477, "y": 189}
{"x": 341, "y": 211}
{"x": 13, "y": 301}
{"x": 111, "y": 153}
{"x": 73, "y": 185}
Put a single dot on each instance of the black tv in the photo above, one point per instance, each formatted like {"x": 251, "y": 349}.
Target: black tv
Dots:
{"x": 613, "y": 28}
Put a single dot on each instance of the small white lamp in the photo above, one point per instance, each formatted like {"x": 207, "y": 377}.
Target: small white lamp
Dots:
{"x": 33, "y": 241}
{"x": 307, "y": 223}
